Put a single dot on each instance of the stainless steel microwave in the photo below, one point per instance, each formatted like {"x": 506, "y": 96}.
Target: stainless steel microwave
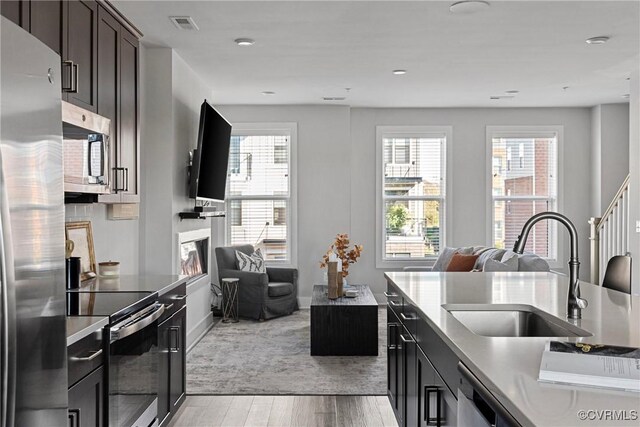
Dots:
{"x": 85, "y": 144}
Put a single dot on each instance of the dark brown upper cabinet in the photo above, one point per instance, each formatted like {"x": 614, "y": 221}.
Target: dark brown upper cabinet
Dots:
{"x": 79, "y": 53}
{"x": 45, "y": 22}
{"x": 118, "y": 100}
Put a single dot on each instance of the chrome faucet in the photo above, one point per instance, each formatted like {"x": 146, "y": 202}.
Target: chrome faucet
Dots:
{"x": 575, "y": 304}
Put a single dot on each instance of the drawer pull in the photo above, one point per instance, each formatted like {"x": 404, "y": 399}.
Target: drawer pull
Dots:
{"x": 405, "y": 317}
{"x": 388, "y": 295}
{"x": 168, "y": 307}
{"x": 180, "y": 297}
{"x": 406, "y": 340}
{"x": 88, "y": 358}
{"x": 395, "y": 304}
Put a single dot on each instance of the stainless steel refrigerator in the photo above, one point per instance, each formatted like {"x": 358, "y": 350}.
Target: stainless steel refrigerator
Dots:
{"x": 33, "y": 327}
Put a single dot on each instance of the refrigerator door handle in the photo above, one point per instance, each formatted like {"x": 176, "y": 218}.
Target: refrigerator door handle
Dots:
{"x": 6, "y": 405}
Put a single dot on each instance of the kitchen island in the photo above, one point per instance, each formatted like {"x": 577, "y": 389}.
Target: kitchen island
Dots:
{"x": 508, "y": 367}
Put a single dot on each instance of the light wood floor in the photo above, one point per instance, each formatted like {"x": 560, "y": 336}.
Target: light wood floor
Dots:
{"x": 284, "y": 411}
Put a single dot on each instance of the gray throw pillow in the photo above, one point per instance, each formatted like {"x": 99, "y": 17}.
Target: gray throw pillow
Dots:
{"x": 446, "y": 254}
{"x": 507, "y": 264}
{"x": 492, "y": 253}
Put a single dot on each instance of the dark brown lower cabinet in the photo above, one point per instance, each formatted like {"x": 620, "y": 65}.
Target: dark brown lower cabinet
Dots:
{"x": 86, "y": 401}
{"x": 172, "y": 340}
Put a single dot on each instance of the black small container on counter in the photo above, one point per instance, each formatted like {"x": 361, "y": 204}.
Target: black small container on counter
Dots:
{"x": 73, "y": 272}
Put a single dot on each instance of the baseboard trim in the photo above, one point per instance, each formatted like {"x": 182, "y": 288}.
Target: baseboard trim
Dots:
{"x": 209, "y": 322}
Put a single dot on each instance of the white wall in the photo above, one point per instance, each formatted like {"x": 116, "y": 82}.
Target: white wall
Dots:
{"x": 112, "y": 240}
{"x": 634, "y": 183}
{"x": 171, "y": 97}
{"x": 324, "y": 176}
{"x": 610, "y": 153}
{"x": 336, "y": 163}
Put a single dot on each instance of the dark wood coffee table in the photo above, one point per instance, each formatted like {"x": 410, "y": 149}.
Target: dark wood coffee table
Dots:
{"x": 344, "y": 326}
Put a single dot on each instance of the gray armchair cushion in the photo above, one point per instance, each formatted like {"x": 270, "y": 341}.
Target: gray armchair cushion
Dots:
{"x": 282, "y": 274}
{"x": 226, "y": 256}
{"x": 280, "y": 289}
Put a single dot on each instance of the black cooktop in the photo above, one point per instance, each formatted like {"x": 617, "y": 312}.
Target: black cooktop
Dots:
{"x": 116, "y": 305}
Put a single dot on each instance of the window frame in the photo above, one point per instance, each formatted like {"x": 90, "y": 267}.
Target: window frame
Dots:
{"x": 557, "y": 239}
{"x": 274, "y": 129}
{"x": 445, "y": 197}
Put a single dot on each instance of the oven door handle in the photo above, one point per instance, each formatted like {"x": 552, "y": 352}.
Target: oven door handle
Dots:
{"x": 120, "y": 333}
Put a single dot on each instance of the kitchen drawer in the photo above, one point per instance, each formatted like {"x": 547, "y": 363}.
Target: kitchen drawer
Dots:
{"x": 84, "y": 356}
{"x": 444, "y": 360}
{"x": 394, "y": 299}
{"x": 173, "y": 301}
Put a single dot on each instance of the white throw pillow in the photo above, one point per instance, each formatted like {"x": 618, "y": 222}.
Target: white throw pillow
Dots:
{"x": 507, "y": 264}
{"x": 253, "y": 263}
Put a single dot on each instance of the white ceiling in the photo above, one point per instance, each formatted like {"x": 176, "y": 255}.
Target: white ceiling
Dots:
{"x": 306, "y": 50}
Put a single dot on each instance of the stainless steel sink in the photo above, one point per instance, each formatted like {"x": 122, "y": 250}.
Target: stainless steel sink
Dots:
{"x": 512, "y": 320}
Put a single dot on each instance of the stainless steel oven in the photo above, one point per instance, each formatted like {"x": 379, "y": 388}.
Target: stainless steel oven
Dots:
{"x": 133, "y": 371}
{"x": 130, "y": 343}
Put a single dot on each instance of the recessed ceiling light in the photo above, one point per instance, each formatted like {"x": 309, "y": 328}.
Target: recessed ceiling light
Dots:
{"x": 399, "y": 72}
{"x": 597, "y": 40}
{"x": 244, "y": 42}
{"x": 334, "y": 98}
{"x": 268, "y": 92}
{"x": 626, "y": 95}
{"x": 512, "y": 92}
{"x": 467, "y": 7}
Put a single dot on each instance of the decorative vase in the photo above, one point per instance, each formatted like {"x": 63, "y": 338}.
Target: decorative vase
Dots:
{"x": 332, "y": 280}
{"x": 340, "y": 284}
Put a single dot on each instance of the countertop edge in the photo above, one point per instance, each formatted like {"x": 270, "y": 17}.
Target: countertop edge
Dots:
{"x": 86, "y": 331}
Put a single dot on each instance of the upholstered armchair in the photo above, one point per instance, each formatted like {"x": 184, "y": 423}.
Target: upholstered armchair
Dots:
{"x": 261, "y": 296}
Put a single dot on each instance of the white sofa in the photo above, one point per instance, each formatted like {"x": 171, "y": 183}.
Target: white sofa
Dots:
{"x": 489, "y": 259}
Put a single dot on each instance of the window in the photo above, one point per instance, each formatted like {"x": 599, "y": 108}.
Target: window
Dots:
{"x": 411, "y": 189}
{"x": 260, "y": 200}
{"x": 528, "y": 185}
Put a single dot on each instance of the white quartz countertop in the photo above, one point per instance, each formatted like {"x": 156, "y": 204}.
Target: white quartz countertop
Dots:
{"x": 509, "y": 366}
{"x": 79, "y": 327}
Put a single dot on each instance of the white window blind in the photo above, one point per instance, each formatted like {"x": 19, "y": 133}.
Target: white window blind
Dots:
{"x": 413, "y": 195}
{"x": 524, "y": 182}
{"x": 259, "y": 193}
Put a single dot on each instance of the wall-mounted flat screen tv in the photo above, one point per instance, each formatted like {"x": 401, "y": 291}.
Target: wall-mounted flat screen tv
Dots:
{"x": 208, "y": 179}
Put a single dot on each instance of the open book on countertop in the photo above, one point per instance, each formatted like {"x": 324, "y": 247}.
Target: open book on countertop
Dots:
{"x": 592, "y": 365}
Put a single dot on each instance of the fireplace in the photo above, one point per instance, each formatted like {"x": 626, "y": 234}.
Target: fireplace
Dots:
{"x": 193, "y": 252}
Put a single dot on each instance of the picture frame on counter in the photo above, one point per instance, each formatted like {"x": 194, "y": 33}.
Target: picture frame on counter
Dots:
{"x": 81, "y": 234}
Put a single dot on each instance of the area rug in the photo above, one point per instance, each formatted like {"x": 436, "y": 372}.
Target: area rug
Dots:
{"x": 273, "y": 357}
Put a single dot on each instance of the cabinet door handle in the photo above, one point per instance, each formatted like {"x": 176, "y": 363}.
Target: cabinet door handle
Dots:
{"x": 428, "y": 415}
{"x": 392, "y": 344}
{"x": 176, "y": 348}
{"x": 126, "y": 179}
{"x": 74, "y": 417}
{"x": 75, "y": 67}
{"x": 395, "y": 304}
{"x": 88, "y": 358}
{"x": 390, "y": 295}
{"x": 179, "y": 297}
{"x": 118, "y": 185}
{"x": 168, "y": 307}
{"x": 70, "y": 87}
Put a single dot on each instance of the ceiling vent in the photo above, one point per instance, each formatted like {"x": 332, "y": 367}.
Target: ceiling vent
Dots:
{"x": 184, "y": 23}
{"x": 334, "y": 98}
